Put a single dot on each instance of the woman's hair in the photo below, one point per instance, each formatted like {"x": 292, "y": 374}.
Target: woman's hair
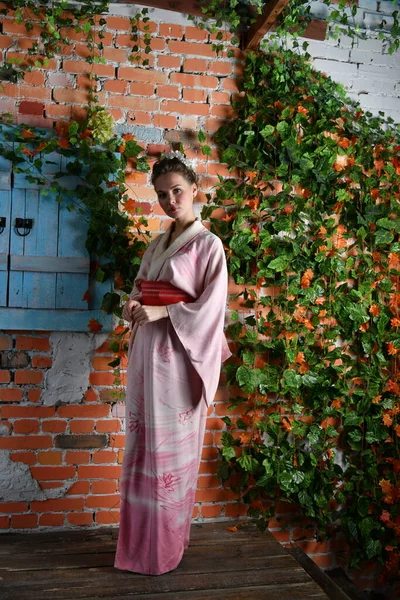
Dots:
{"x": 172, "y": 165}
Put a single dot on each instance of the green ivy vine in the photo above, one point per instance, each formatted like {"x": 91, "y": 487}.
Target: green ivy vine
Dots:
{"x": 310, "y": 220}
{"x": 236, "y": 16}
{"x": 55, "y": 18}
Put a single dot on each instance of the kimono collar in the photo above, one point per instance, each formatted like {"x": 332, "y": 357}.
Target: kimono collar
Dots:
{"x": 162, "y": 253}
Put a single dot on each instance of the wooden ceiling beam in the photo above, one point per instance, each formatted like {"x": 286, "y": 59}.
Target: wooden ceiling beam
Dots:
{"x": 264, "y": 22}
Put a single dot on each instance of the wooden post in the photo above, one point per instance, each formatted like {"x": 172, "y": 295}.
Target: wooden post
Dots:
{"x": 264, "y": 22}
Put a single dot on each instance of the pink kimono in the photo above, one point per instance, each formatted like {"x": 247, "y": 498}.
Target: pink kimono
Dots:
{"x": 173, "y": 373}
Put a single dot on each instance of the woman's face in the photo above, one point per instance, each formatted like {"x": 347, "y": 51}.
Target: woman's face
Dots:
{"x": 175, "y": 195}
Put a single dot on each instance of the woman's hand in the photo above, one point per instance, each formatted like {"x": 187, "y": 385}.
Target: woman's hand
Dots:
{"x": 129, "y": 307}
{"x": 147, "y": 314}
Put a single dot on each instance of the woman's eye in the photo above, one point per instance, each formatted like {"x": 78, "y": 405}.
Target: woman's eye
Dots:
{"x": 177, "y": 190}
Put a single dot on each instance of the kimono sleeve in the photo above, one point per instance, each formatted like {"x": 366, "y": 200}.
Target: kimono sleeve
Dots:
{"x": 200, "y": 324}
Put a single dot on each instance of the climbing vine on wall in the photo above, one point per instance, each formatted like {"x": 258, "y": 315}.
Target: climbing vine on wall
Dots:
{"x": 236, "y": 16}
{"x": 310, "y": 220}
{"x": 55, "y": 22}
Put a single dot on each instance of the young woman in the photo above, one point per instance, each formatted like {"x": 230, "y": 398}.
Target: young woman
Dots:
{"x": 177, "y": 309}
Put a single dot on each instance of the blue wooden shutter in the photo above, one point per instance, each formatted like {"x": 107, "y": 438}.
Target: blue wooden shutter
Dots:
{"x": 48, "y": 268}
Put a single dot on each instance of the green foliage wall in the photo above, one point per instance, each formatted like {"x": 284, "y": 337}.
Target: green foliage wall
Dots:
{"x": 311, "y": 224}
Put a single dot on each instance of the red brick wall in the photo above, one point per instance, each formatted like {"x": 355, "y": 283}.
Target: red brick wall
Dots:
{"x": 186, "y": 88}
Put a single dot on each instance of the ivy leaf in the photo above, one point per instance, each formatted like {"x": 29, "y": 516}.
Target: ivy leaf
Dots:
{"x": 228, "y": 452}
{"x": 373, "y": 548}
{"x": 292, "y": 380}
{"x": 352, "y": 419}
{"x": 243, "y": 376}
{"x": 206, "y": 150}
{"x": 248, "y": 463}
{"x": 248, "y": 357}
{"x": 383, "y": 237}
{"x": 267, "y": 131}
{"x": 278, "y": 264}
{"x": 363, "y": 507}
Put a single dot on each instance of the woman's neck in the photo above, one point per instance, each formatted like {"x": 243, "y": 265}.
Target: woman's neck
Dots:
{"x": 180, "y": 226}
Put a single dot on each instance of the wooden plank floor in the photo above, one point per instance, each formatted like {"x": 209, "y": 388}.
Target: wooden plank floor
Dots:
{"x": 219, "y": 564}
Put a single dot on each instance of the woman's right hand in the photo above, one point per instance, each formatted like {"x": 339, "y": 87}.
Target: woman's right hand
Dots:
{"x": 129, "y": 307}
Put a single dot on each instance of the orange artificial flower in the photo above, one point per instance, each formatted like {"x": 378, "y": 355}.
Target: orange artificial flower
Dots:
{"x": 336, "y": 403}
{"x": 386, "y": 486}
{"x": 118, "y": 282}
{"x": 377, "y": 399}
{"x": 86, "y": 134}
{"x": 30, "y": 153}
{"x": 94, "y": 326}
{"x": 42, "y": 146}
{"x": 385, "y": 517}
{"x": 64, "y": 143}
{"x": 245, "y": 437}
{"x": 394, "y": 261}
{"x": 320, "y": 300}
{"x": 129, "y": 205}
{"x": 397, "y": 430}
{"x": 389, "y": 490}
{"x": 121, "y": 329}
{"x": 254, "y": 204}
{"x": 392, "y": 386}
{"x": 286, "y": 424}
{"x": 344, "y": 142}
{"x": 392, "y": 350}
{"x": 62, "y": 128}
{"x": 300, "y": 360}
{"x": 27, "y": 134}
{"x": 376, "y": 256}
{"x": 86, "y": 296}
{"x": 342, "y": 160}
{"x": 302, "y": 110}
{"x": 307, "y": 278}
{"x": 387, "y": 420}
{"x": 375, "y": 310}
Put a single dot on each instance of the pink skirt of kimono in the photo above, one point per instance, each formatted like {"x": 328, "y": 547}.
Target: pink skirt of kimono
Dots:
{"x": 165, "y": 422}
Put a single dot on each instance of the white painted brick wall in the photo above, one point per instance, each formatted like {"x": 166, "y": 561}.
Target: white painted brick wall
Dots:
{"x": 367, "y": 72}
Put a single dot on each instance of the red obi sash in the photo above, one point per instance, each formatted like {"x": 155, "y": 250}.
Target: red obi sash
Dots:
{"x": 162, "y": 293}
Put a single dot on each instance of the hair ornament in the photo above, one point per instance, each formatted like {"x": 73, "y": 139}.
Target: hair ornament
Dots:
{"x": 180, "y": 156}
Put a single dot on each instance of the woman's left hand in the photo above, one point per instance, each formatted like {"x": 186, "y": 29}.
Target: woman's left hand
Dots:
{"x": 147, "y": 314}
